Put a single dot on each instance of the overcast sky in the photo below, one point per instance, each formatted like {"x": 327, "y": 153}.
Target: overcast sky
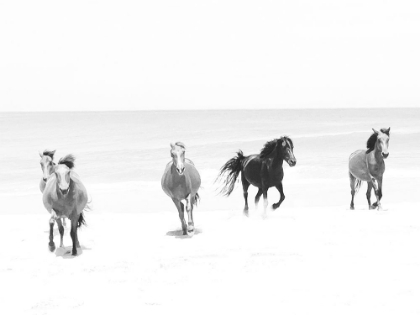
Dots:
{"x": 115, "y": 55}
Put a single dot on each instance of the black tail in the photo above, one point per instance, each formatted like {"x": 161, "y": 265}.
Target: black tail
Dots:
{"x": 231, "y": 170}
{"x": 81, "y": 220}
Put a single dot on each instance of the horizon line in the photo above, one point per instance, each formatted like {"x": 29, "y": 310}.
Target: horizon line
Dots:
{"x": 201, "y": 110}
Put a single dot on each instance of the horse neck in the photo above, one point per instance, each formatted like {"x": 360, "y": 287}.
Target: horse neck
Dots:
{"x": 276, "y": 157}
{"x": 378, "y": 155}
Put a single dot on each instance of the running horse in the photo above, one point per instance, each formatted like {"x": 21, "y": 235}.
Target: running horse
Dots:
{"x": 65, "y": 196}
{"x": 262, "y": 170}
{"x": 369, "y": 165}
{"x": 181, "y": 181}
{"x": 47, "y": 166}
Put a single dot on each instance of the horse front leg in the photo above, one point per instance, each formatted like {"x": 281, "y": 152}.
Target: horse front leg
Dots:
{"x": 61, "y": 230}
{"x": 282, "y": 196}
{"x": 368, "y": 194}
{"x": 265, "y": 190}
{"x": 73, "y": 234}
{"x": 180, "y": 208}
{"x": 51, "y": 245}
{"x": 189, "y": 209}
{"x": 378, "y": 194}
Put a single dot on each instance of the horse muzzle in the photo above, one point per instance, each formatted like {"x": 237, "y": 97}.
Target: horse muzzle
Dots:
{"x": 180, "y": 170}
{"x": 385, "y": 155}
{"x": 44, "y": 179}
{"x": 291, "y": 162}
{"x": 64, "y": 191}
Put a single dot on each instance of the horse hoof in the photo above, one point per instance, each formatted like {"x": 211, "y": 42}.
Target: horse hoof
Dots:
{"x": 275, "y": 206}
{"x": 74, "y": 252}
{"x": 372, "y": 208}
{"x": 51, "y": 247}
{"x": 190, "y": 233}
{"x": 351, "y": 208}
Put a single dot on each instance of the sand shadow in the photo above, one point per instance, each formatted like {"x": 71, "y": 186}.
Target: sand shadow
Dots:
{"x": 65, "y": 252}
{"x": 178, "y": 233}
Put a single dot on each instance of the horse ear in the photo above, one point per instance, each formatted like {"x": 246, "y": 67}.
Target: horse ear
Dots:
{"x": 283, "y": 143}
{"x": 375, "y": 131}
{"x": 387, "y": 132}
{"x": 40, "y": 154}
{"x": 172, "y": 145}
{"x": 52, "y": 153}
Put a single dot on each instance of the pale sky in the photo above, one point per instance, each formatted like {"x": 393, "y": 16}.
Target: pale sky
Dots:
{"x": 132, "y": 55}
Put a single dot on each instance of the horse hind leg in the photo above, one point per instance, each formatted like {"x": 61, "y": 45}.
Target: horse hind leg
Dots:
{"x": 282, "y": 196}
{"x": 245, "y": 186}
{"x": 353, "y": 189}
{"x": 257, "y": 197}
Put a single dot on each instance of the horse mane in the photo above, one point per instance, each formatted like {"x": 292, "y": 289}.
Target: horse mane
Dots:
{"x": 68, "y": 160}
{"x": 268, "y": 148}
{"x": 370, "y": 144}
{"x": 270, "y": 145}
{"x": 385, "y": 131}
{"x": 180, "y": 144}
{"x": 49, "y": 153}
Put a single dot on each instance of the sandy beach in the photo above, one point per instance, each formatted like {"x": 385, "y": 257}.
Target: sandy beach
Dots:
{"x": 296, "y": 261}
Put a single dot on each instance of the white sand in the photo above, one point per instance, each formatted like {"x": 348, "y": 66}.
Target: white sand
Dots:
{"x": 297, "y": 261}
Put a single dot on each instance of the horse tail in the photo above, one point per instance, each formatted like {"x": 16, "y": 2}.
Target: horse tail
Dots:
{"x": 231, "y": 171}
{"x": 196, "y": 199}
{"x": 81, "y": 220}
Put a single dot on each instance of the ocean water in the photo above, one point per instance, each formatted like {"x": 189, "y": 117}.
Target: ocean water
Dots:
{"x": 126, "y": 152}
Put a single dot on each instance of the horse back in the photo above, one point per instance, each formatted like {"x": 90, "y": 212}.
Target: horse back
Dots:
{"x": 358, "y": 165}
{"x": 262, "y": 172}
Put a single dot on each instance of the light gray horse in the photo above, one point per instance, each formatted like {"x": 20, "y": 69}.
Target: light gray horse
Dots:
{"x": 369, "y": 165}
{"x": 65, "y": 196}
{"x": 47, "y": 166}
{"x": 181, "y": 181}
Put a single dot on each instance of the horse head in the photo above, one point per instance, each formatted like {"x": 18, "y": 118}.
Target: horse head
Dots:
{"x": 62, "y": 172}
{"x": 47, "y": 163}
{"x": 286, "y": 148}
{"x": 178, "y": 156}
{"x": 382, "y": 141}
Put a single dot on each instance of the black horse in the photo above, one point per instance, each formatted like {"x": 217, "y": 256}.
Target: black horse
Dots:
{"x": 262, "y": 170}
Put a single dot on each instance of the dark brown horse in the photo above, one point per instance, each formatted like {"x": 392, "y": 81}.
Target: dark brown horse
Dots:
{"x": 262, "y": 170}
{"x": 368, "y": 165}
{"x": 181, "y": 182}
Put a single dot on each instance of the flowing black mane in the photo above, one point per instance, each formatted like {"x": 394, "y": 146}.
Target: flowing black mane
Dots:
{"x": 370, "y": 144}
{"x": 270, "y": 145}
{"x": 68, "y": 160}
{"x": 49, "y": 153}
